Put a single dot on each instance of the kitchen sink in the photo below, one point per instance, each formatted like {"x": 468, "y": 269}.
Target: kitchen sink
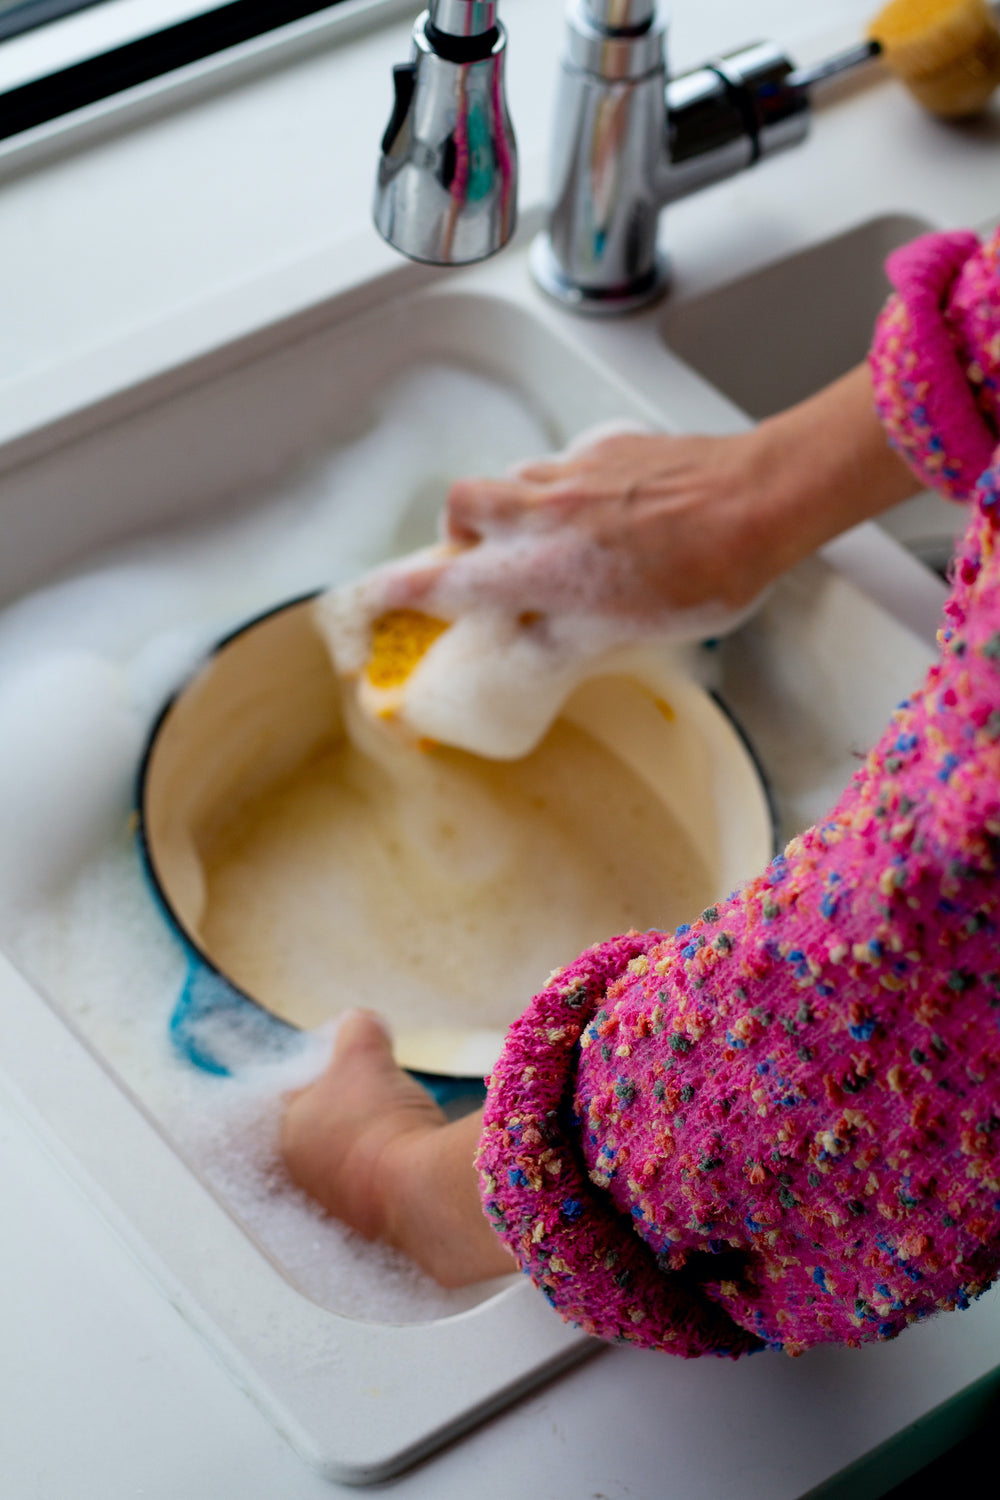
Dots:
{"x": 809, "y": 679}
{"x": 778, "y": 335}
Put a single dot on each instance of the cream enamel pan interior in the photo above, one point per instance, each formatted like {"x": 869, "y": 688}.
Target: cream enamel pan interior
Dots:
{"x": 289, "y": 867}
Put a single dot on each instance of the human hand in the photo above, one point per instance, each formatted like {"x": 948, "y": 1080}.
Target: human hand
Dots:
{"x": 638, "y": 527}
{"x": 643, "y": 525}
{"x": 632, "y": 524}
{"x": 372, "y": 1147}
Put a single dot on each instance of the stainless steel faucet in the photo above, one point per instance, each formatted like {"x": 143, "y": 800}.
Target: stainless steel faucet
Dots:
{"x": 447, "y": 177}
{"x": 628, "y": 141}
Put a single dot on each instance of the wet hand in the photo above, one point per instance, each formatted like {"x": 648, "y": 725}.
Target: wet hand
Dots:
{"x": 644, "y": 525}
{"x": 372, "y": 1147}
{"x": 635, "y": 524}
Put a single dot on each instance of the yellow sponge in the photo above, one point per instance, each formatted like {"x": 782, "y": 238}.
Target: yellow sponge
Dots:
{"x": 399, "y": 639}
{"x": 947, "y": 52}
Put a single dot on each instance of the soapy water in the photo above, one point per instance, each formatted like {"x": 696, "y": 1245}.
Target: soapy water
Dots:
{"x": 85, "y": 665}
{"x": 406, "y": 874}
{"x": 493, "y": 681}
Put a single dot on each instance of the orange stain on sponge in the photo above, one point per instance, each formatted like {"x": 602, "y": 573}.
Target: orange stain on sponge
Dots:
{"x": 400, "y": 638}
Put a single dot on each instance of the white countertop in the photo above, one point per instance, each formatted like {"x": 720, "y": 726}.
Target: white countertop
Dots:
{"x": 145, "y": 247}
{"x": 258, "y": 195}
{"x": 108, "y": 1394}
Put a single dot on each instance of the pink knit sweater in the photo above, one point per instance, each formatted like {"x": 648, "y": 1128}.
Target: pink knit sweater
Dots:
{"x": 780, "y": 1125}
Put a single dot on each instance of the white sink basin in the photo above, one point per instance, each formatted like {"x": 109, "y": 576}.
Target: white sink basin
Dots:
{"x": 810, "y": 679}
{"x": 774, "y": 337}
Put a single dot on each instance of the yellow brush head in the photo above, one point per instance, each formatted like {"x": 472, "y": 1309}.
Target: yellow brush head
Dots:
{"x": 399, "y": 639}
{"x": 947, "y": 52}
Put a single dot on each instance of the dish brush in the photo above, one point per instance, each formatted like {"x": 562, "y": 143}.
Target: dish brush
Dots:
{"x": 946, "y": 52}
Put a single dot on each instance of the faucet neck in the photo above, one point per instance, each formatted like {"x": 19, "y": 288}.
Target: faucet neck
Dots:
{"x": 617, "y": 40}
{"x": 463, "y": 18}
{"x": 621, "y": 15}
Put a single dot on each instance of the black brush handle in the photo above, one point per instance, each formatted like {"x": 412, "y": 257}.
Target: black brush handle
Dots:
{"x": 832, "y": 67}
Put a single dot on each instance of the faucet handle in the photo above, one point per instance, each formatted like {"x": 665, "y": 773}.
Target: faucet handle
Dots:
{"x": 777, "y": 107}
{"x": 728, "y": 114}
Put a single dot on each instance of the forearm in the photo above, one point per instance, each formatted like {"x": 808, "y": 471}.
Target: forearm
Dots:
{"x": 433, "y": 1210}
{"x": 825, "y": 465}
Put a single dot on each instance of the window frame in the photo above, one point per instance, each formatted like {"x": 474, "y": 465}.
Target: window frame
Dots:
{"x": 27, "y": 15}
{"x": 111, "y": 57}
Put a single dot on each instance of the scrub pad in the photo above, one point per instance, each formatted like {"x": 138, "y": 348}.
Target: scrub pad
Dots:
{"x": 400, "y": 638}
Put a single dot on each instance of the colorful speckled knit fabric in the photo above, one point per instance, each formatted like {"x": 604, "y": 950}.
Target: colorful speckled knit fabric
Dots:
{"x": 936, "y": 359}
{"x": 780, "y": 1125}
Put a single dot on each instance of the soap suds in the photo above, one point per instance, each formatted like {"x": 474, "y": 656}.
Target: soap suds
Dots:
{"x": 85, "y": 665}
{"x": 493, "y": 681}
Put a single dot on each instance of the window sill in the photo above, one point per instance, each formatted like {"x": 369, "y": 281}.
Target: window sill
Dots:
{"x": 100, "y": 50}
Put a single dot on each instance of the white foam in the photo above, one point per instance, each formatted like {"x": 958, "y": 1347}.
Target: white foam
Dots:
{"x": 84, "y": 665}
{"x": 495, "y": 680}
{"x": 68, "y": 749}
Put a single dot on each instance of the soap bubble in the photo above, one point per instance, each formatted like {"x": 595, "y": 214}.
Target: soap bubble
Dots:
{"x": 85, "y": 664}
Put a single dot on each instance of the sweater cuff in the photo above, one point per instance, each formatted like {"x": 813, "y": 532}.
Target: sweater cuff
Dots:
{"x": 585, "y": 1256}
{"x": 922, "y": 391}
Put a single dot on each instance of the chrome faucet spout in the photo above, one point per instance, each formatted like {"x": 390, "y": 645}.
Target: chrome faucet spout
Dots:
{"x": 447, "y": 179}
